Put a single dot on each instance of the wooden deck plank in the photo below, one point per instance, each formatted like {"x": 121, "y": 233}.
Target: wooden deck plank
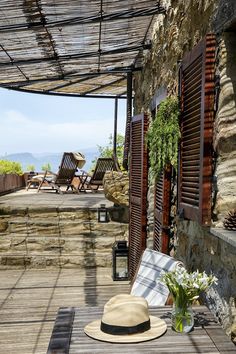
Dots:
{"x": 29, "y": 301}
{"x": 197, "y": 341}
{"x": 221, "y": 341}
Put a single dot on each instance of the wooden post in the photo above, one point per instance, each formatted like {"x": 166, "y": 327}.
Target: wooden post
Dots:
{"x": 115, "y": 136}
{"x": 128, "y": 119}
{"x": 115, "y": 128}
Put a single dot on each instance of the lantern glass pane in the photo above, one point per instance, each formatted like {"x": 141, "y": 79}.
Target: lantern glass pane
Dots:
{"x": 102, "y": 215}
{"x": 121, "y": 267}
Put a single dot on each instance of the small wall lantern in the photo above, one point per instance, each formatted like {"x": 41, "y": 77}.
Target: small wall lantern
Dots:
{"x": 120, "y": 261}
{"x": 103, "y": 213}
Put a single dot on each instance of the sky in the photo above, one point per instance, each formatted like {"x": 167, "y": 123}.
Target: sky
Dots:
{"x": 41, "y": 123}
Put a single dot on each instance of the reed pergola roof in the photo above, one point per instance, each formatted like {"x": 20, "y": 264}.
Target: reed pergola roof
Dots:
{"x": 76, "y": 47}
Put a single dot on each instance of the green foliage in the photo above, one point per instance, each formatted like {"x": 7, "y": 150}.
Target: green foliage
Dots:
{"x": 46, "y": 167}
{"x": 107, "y": 151}
{"x": 30, "y": 168}
{"x": 163, "y": 136}
{"x": 7, "y": 167}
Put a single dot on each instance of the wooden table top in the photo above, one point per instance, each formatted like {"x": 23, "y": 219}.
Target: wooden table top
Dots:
{"x": 207, "y": 336}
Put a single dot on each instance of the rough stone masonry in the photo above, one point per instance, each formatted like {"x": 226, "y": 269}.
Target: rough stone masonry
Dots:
{"x": 175, "y": 33}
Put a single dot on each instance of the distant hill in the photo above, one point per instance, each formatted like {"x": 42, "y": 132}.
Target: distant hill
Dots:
{"x": 25, "y": 158}
{"x": 40, "y": 159}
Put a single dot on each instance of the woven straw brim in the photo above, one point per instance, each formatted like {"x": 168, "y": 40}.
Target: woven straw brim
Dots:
{"x": 158, "y": 327}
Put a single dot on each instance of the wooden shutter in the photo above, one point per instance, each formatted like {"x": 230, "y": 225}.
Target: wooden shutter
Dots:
{"x": 138, "y": 191}
{"x": 197, "y": 114}
{"x": 162, "y": 205}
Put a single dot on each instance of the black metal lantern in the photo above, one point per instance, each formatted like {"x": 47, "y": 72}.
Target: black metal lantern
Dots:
{"x": 103, "y": 213}
{"x": 120, "y": 260}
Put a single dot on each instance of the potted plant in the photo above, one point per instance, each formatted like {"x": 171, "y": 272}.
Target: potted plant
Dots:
{"x": 163, "y": 136}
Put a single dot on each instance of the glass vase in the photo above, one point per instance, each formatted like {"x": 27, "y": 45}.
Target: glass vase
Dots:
{"x": 182, "y": 318}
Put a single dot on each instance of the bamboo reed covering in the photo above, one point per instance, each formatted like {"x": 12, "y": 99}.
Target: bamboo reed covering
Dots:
{"x": 77, "y": 47}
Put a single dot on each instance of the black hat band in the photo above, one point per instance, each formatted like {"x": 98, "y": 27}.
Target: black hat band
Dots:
{"x": 123, "y": 330}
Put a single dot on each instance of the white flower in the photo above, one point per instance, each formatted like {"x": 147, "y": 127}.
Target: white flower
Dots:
{"x": 187, "y": 284}
{"x": 195, "y": 285}
{"x": 179, "y": 279}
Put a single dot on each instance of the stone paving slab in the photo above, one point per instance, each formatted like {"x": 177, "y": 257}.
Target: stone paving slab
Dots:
{"x": 44, "y": 199}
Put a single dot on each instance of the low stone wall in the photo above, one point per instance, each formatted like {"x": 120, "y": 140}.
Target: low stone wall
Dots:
{"x": 57, "y": 238}
{"x": 212, "y": 252}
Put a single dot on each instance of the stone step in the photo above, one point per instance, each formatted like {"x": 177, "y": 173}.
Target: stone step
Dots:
{"x": 72, "y": 214}
{"x": 53, "y": 221}
{"x": 65, "y": 230}
{"x": 83, "y": 260}
{"x": 62, "y": 228}
{"x": 70, "y": 245}
{"x": 75, "y": 239}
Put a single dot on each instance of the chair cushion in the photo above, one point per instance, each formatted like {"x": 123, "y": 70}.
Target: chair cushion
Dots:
{"x": 39, "y": 178}
{"x": 147, "y": 282}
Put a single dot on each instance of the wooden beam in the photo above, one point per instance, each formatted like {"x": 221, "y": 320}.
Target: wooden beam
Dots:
{"x": 121, "y": 50}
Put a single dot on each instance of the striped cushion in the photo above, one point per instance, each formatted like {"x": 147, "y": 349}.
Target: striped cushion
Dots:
{"x": 147, "y": 282}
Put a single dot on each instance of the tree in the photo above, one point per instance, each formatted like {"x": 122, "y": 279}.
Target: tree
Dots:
{"x": 30, "y": 168}
{"x": 46, "y": 167}
{"x": 7, "y": 167}
{"x": 107, "y": 151}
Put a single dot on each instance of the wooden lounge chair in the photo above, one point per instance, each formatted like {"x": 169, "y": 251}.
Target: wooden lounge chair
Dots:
{"x": 69, "y": 164}
{"x": 147, "y": 281}
{"x": 94, "y": 181}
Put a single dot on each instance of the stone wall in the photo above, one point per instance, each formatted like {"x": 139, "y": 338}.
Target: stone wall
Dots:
{"x": 225, "y": 128}
{"x": 57, "y": 238}
{"x": 175, "y": 33}
{"x": 183, "y": 26}
{"x": 116, "y": 187}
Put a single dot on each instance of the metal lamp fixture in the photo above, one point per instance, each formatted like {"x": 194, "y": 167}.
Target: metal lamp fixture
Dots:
{"x": 120, "y": 260}
{"x": 103, "y": 213}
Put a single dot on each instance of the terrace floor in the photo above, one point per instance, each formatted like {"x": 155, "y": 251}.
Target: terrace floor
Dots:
{"x": 50, "y": 199}
{"x": 30, "y": 298}
{"x": 29, "y": 301}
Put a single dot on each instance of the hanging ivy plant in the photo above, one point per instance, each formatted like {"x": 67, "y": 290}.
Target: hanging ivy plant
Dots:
{"x": 163, "y": 136}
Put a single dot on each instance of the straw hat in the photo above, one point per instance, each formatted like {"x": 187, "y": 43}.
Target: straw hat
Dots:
{"x": 126, "y": 320}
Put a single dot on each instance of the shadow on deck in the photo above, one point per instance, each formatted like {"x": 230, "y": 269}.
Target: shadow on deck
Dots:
{"x": 30, "y": 300}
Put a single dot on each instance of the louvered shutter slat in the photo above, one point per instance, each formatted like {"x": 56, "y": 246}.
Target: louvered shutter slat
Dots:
{"x": 162, "y": 211}
{"x": 197, "y": 106}
{"x": 138, "y": 191}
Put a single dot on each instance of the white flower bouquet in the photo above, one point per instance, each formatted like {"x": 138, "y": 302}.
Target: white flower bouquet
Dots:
{"x": 186, "y": 288}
